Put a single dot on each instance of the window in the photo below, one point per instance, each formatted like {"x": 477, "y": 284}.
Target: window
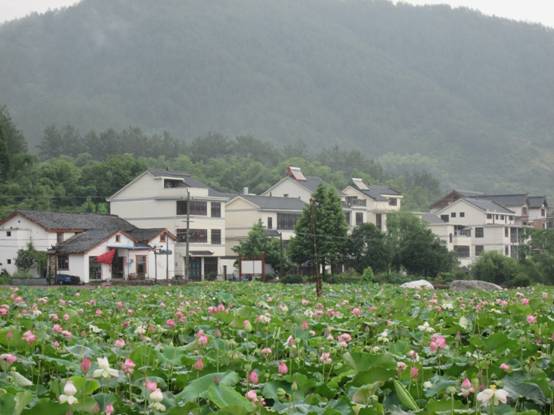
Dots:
{"x": 216, "y": 209}
{"x": 9, "y": 261}
{"x": 59, "y": 237}
{"x": 172, "y": 183}
{"x": 141, "y": 266}
{"x": 196, "y": 235}
{"x": 63, "y": 262}
{"x": 286, "y": 221}
{"x": 216, "y": 236}
{"x": 445, "y": 218}
{"x": 393, "y": 202}
{"x": 478, "y": 250}
{"x": 118, "y": 238}
{"x": 379, "y": 221}
{"x": 506, "y": 232}
{"x": 479, "y": 232}
{"x": 543, "y": 212}
{"x": 507, "y": 250}
{"x": 94, "y": 269}
{"x": 524, "y": 211}
{"x": 452, "y": 214}
{"x": 8, "y": 233}
{"x": 450, "y": 238}
{"x": 489, "y": 216}
{"x": 461, "y": 251}
{"x": 497, "y": 217}
{"x": 462, "y": 214}
{"x": 359, "y": 218}
{"x": 270, "y": 223}
{"x": 501, "y": 217}
{"x": 197, "y": 207}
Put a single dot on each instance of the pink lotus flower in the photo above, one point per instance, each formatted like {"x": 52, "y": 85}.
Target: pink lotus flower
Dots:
{"x": 120, "y": 343}
{"x": 414, "y": 372}
{"x": 505, "y": 367}
{"x": 4, "y": 310}
{"x": 66, "y": 316}
{"x": 466, "y": 388}
{"x": 325, "y": 358}
{"x": 170, "y": 323}
{"x": 98, "y": 312}
{"x": 150, "y": 385}
{"x": 201, "y": 338}
{"x": 282, "y": 368}
{"x": 253, "y": 377}
{"x": 356, "y": 312}
{"x": 266, "y": 351}
{"x": 199, "y": 364}
{"x": 524, "y": 301}
{"x": 57, "y": 328}
{"x": 119, "y": 304}
{"x": 29, "y": 337}
{"x": 437, "y": 342}
{"x": 180, "y": 315}
{"x": 401, "y": 366}
{"x": 252, "y": 396}
{"x": 8, "y": 358}
{"x": 109, "y": 410}
{"x": 128, "y": 366}
{"x": 86, "y": 363}
{"x": 67, "y": 334}
{"x": 246, "y": 325}
{"x": 531, "y": 319}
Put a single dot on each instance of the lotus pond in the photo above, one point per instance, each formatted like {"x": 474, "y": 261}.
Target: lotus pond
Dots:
{"x": 238, "y": 348}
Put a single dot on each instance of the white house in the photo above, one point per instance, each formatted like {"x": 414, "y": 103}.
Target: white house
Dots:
{"x": 470, "y": 226}
{"x": 74, "y": 240}
{"x": 295, "y": 185}
{"x": 277, "y": 214}
{"x": 158, "y": 199}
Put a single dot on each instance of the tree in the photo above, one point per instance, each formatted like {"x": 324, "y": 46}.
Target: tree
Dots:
{"x": 29, "y": 258}
{"x": 538, "y": 255}
{"x": 258, "y": 244}
{"x": 320, "y": 233}
{"x": 494, "y": 267}
{"x": 12, "y": 145}
{"x": 367, "y": 247}
{"x": 416, "y": 249}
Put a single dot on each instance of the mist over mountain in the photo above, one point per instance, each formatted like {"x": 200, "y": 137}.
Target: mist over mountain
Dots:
{"x": 471, "y": 96}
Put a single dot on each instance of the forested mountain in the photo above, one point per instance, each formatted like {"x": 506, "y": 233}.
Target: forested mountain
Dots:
{"x": 471, "y": 95}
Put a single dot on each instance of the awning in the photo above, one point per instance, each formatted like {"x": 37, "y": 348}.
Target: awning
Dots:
{"x": 106, "y": 258}
{"x": 201, "y": 253}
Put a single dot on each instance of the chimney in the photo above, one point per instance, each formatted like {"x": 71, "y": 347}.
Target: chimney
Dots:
{"x": 245, "y": 190}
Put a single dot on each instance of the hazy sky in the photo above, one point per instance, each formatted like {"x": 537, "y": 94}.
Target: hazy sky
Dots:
{"x": 541, "y": 11}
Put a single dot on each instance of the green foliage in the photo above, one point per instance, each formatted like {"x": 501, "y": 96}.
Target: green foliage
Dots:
{"x": 320, "y": 232}
{"x": 368, "y": 248}
{"x": 30, "y": 259}
{"x": 494, "y": 267}
{"x": 415, "y": 248}
{"x": 258, "y": 244}
{"x": 368, "y": 274}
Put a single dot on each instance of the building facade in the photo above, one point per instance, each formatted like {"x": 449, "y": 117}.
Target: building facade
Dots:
{"x": 160, "y": 198}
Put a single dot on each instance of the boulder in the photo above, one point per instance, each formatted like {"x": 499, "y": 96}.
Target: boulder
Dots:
{"x": 462, "y": 285}
{"x": 418, "y": 285}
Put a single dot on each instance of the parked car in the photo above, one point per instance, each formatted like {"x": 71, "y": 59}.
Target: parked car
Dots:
{"x": 64, "y": 279}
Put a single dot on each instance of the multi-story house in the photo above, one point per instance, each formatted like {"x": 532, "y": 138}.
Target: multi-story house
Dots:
{"x": 369, "y": 204}
{"x": 161, "y": 198}
{"x": 469, "y": 226}
{"x": 76, "y": 244}
{"x": 277, "y": 214}
{"x": 529, "y": 210}
{"x": 295, "y": 185}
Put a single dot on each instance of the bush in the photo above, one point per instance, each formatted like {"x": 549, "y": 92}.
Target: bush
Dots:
{"x": 495, "y": 267}
{"x": 344, "y": 278}
{"x": 5, "y": 278}
{"x": 393, "y": 278}
{"x": 368, "y": 274}
{"x": 22, "y": 274}
{"x": 520, "y": 280}
{"x": 293, "y": 279}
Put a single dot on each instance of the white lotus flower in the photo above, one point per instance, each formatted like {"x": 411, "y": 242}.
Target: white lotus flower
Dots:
{"x": 426, "y": 328}
{"x": 492, "y": 394}
{"x": 104, "y": 370}
{"x": 68, "y": 395}
{"x": 94, "y": 329}
{"x": 156, "y": 398}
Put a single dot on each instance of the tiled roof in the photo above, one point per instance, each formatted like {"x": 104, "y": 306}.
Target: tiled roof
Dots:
{"x": 536, "y": 202}
{"x": 311, "y": 183}
{"x": 188, "y": 179}
{"x": 487, "y": 205}
{"x": 508, "y": 200}
{"x": 145, "y": 235}
{"x": 83, "y": 242}
{"x": 431, "y": 218}
{"x": 73, "y": 221}
{"x": 275, "y": 203}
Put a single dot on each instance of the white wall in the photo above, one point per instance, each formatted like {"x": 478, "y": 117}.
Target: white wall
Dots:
{"x": 288, "y": 187}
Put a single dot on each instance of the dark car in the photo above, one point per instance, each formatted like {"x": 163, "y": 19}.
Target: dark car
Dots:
{"x": 64, "y": 279}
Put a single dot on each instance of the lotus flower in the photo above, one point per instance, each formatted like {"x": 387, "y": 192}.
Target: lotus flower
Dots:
{"x": 68, "y": 395}
{"x": 104, "y": 370}
{"x": 156, "y": 398}
{"x": 493, "y": 395}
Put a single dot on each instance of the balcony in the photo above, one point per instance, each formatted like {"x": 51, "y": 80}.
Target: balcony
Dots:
{"x": 353, "y": 202}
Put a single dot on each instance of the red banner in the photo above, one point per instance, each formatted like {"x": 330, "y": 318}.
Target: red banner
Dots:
{"x": 106, "y": 258}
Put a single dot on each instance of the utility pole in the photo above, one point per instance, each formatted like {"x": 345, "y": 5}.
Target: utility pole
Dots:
{"x": 166, "y": 258}
{"x": 187, "y": 246}
{"x": 318, "y": 283}
{"x": 282, "y": 253}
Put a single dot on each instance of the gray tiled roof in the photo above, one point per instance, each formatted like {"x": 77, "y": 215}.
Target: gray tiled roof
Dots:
{"x": 82, "y": 221}
{"x": 217, "y": 193}
{"x": 188, "y": 179}
{"x": 82, "y": 242}
{"x": 377, "y": 192}
{"x": 311, "y": 183}
{"x": 275, "y": 203}
{"x": 431, "y": 218}
{"x": 145, "y": 235}
{"x": 508, "y": 200}
{"x": 487, "y": 205}
{"x": 536, "y": 202}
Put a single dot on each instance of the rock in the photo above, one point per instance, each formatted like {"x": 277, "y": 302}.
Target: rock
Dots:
{"x": 462, "y": 285}
{"x": 418, "y": 285}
